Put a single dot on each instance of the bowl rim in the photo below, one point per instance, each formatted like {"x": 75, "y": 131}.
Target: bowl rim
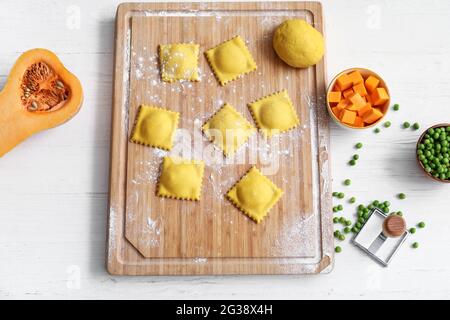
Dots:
{"x": 439, "y": 125}
{"x": 333, "y": 81}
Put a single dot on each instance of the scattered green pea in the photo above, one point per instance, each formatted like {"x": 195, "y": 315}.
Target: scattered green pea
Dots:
{"x": 335, "y": 220}
{"x": 348, "y": 223}
{"x": 340, "y": 208}
{"x": 335, "y": 194}
{"x": 352, "y": 200}
{"x": 421, "y": 224}
{"x": 336, "y": 233}
{"x": 352, "y": 162}
{"x": 412, "y": 230}
{"x": 416, "y": 126}
{"x": 387, "y": 124}
{"x": 355, "y": 157}
{"x": 341, "y": 195}
{"x": 347, "y": 182}
{"x": 396, "y": 107}
{"x": 401, "y": 196}
{"x": 341, "y": 237}
{"x": 335, "y": 209}
{"x": 347, "y": 230}
{"x": 359, "y": 145}
{"x": 377, "y": 130}
{"x": 406, "y": 125}
{"x": 415, "y": 245}
{"x": 338, "y": 249}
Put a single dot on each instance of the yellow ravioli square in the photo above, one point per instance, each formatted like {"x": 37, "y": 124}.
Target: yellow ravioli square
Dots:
{"x": 254, "y": 194}
{"x": 181, "y": 179}
{"x": 274, "y": 113}
{"x": 228, "y": 129}
{"x": 155, "y": 127}
{"x": 179, "y": 62}
{"x": 230, "y": 60}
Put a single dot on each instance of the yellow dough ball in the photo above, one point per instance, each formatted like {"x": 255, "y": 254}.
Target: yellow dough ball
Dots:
{"x": 298, "y": 44}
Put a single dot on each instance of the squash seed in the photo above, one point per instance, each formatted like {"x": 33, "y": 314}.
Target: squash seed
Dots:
{"x": 59, "y": 84}
{"x": 34, "y": 105}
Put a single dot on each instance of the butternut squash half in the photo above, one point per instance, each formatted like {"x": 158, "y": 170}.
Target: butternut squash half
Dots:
{"x": 40, "y": 93}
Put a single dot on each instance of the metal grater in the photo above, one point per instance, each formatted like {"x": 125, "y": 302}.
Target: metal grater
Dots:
{"x": 373, "y": 241}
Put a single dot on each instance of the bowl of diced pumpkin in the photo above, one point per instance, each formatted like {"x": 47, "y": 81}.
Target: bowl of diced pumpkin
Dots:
{"x": 358, "y": 98}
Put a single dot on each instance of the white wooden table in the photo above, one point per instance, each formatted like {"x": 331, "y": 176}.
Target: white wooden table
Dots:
{"x": 53, "y": 187}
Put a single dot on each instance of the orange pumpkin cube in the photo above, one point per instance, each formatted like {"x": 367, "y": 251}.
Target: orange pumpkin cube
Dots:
{"x": 372, "y": 116}
{"x": 344, "y": 82}
{"x": 371, "y": 83}
{"x": 356, "y": 77}
{"x": 367, "y": 107}
{"x": 337, "y": 111}
{"x": 348, "y": 117}
{"x": 357, "y": 100}
{"x": 361, "y": 89}
{"x": 344, "y": 103}
{"x": 347, "y": 93}
{"x": 334, "y": 97}
{"x": 379, "y": 97}
{"x": 359, "y": 122}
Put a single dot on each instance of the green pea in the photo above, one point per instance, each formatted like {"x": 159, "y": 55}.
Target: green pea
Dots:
{"x": 406, "y": 125}
{"x": 347, "y": 182}
{"x": 355, "y": 157}
{"x": 387, "y": 203}
{"x": 352, "y": 200}
{"x": 387, "y": 124}
{"x": 412, "y": 230}
{"x": 347, "y": 230}
{"x": 377, "y": 130}
{"x": 340, "y": 207}
{"x": 337, "y": 233}
{"x": 352, "y": 162}
{"x": 361, "y": 220}
{"x": 338, "y": 249}
{"x": 415, "y": 245}
{"x": 421, "y": 224}
{"x": 359, "y": 145}
{"x": 370, "y": 207}
{"x": 366, "y": 215}
{"x": 358, "y": 225}
{"x": 341, "y": 237}
{"x": 348, "y": 223}
{"x": 335, "y": 209}
{"x": 396, "y": 107}
{"x": 376, "y": 203}
{"x": 341, "y": 195}
{"x": 335, "y": 220}
{"x": 335, "y": 194}
{"x": 416, "y": 126}
{"x": 399, "y": 213}
{"x": 361, "y": 207}
{"x": 401, "y": 196}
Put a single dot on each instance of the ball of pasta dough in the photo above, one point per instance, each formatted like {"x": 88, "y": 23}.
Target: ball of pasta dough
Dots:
{"x": 298, "y": 44}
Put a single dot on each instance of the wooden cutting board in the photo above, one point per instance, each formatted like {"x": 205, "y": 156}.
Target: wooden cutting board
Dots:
{"x": 149, "y": 235}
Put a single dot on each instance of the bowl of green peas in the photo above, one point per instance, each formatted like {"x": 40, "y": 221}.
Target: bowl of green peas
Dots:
{"x": 433, "y": 152}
